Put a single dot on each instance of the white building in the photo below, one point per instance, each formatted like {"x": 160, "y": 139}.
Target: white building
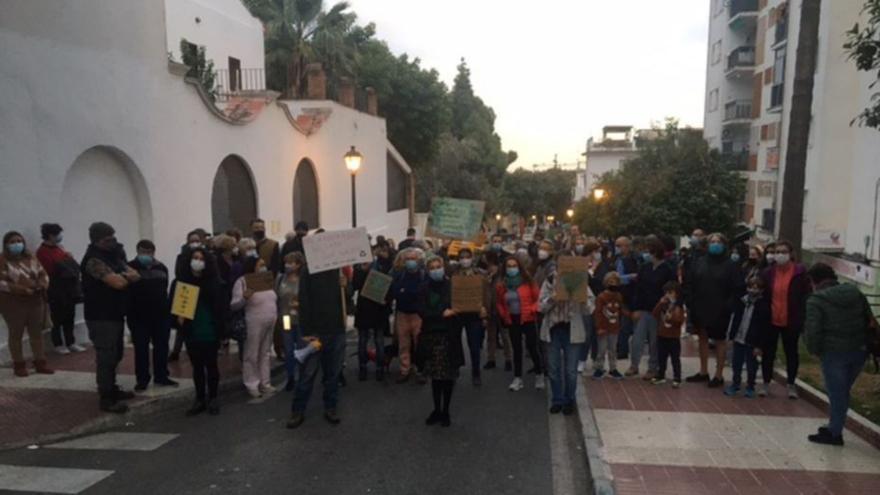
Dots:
{"x": 617, "y": 145}
{"x": 99, "y": 123}
{"x": 752, "y": 53}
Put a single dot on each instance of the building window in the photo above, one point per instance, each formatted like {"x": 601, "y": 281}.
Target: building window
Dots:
{"x": 776, "y": 92}
{"x": 716, "y": 52}
{"x": 234, "y": 74}
{"x": 712, "y": 103}
{"x": 772, "y": 158}
{"x": 398, "y": 185}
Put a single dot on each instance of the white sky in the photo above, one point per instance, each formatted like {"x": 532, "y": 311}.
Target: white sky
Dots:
{"x": 556, "y": 71}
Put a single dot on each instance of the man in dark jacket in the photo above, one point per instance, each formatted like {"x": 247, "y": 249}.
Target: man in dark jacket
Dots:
{"x": 409, "y": 241}
{"x": 322, "y": 316}
{"x": 295, "y": 245}
{"x": 837, "y": 325}
{"x": 371, "y": 317}
{"x": 148, "y": 317}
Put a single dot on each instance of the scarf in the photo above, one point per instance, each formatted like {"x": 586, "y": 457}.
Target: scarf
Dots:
{"x": 513, "y": 282}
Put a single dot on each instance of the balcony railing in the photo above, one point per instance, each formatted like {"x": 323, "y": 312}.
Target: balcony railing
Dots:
{"x": 743, "y": 56}
{"x": 233, "y": 83}
{"x": 736, "y": 160}
{"x": 777, "y": 93}
{"x": 738, "y": 7}
{"x": 738, "y": 110}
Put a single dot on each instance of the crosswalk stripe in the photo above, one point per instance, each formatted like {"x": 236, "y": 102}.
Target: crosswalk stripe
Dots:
{"x": 48, "y": 479}
{"x": 117, "y": 441}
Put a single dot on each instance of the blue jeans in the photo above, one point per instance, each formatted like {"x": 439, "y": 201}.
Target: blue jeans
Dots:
{"x": 646, "y": 329}
{"x": 561, "y": 352}
{"x": 626, "y": 330}
{"x": 291, "y": 338}
{"x": 840, "y": 370}
{"x": 744, "y": 354}
{"x": 330, "y": 359}
{"x": 475, "y": 332}
{"x": 144, "y": 333}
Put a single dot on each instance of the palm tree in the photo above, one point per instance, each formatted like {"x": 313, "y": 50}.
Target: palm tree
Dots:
{"x": 295, "y": 31}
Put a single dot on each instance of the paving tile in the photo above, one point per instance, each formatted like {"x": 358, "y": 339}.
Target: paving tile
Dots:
{"x": 48, "y": 479}
{"x": 143, "y": 442}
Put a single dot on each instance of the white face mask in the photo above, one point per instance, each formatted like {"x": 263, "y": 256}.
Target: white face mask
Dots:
{"x": 597, "y": 256}
{"x": 235, "y": 251}
{"x": 466, "y": 262}
{"x": 251, "y": 253}
{"x": 522, "y": 252}
{"x": 782, "y": 258}
{"x": 543, "y": 254}
{"x": 197, "y": 265}
{"x": 771, "y": 258}
{"x": 194, "y": 245}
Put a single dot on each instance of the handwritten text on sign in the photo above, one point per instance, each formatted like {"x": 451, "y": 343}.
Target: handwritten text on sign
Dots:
{"x": 331, "y": 250}
{"x": 455, "y": 218}
{"x": 186, "y": 297}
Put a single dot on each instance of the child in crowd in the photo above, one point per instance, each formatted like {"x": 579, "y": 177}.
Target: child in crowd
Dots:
{"x": 609, "y": 309}
{"x": 749, "y": 326}
{"x": 670, "y": 316}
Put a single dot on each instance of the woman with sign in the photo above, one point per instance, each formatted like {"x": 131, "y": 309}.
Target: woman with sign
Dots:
{"x": 254, "y": 293}
{"x": 202, "y": 331}
{"x": 373, "y": 308}
{"x": 472, "y": 321}
{"x": 516, "y": 297}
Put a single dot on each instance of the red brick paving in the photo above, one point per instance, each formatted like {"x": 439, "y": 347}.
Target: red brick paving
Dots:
{"x": 85, "y": 361}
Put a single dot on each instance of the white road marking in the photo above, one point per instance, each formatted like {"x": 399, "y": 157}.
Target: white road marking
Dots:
{"x": 49, "y": 480}
{"x": 143, "y": 442}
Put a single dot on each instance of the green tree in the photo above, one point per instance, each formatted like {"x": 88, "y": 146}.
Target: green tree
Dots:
{"x": 674, "y": 184}
{"x": 199, "y": 67}
{"x": 863, "y": 46}
{"x": 546, "y": 192}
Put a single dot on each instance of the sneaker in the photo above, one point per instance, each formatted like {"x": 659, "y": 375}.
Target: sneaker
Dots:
{"x": 434, "y": 418}
{"x": 699, "y": 377}
{"x": 676, "y": 384}
{"x": 568, "y": 409}
{"x": 254, "y": 393}
{"x": 168, "y": 382}
{"x": 508, "y": 366}
{"x": 764, "y": 391}
{"x": 516, "y": 385}
{"x": 555, "y": 409}
{"x": 197, "y": 408}
{"x": 716, "y": 382}
{"x": 616, "y": 375}
{"x": 631, "y": 372}
{"x": 60, "y": 349}
{"x": 445, "y": 420}
{"x": 649, "y": 376}
{"x": 793, "y": 394}
{"x": 331, "y": 417}
{"x": 539, "y": 382}
{"x": 750, "y": 393}
{"x": 76, "y": 348}
{"x": 268, "y": 389}
{"x": 582, "y": 366}
{"x": 825, "y": 437}
{"x": 120, "y": 394}
{"x": 490, "y": 365}
{"x": 295, "y": 420}
{"x": 111, "y": 406}
{"x": 140, "y": 387}
{"x": 658, "y": 381}
{"x": 598, "y": 374}
{"x": 731, "y": 390}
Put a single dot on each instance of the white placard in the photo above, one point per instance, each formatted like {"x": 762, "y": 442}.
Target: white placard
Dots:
{"x": 331, "y": 250}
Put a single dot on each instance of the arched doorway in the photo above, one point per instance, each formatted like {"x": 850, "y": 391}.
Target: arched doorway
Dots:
{"x": 105, "y": 185}
{"x": 234, "y": 197}
{"x": 305, "y": 194}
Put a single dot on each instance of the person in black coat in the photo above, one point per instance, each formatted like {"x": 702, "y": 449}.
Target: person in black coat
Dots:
{"x": 749, "y": 330}
{"x": 371, "y": 316}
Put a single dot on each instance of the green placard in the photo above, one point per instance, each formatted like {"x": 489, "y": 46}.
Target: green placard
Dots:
{"x": 376, "y": 286}
{"x": 453, "y": 218}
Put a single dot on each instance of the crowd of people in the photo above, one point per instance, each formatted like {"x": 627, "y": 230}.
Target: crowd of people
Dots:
{"x": 640, "y": 298}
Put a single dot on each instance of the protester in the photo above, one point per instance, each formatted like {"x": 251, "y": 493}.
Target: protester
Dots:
{"x": 608, "y": 317}
{"x": 787, "y": 287}
{"x": 440, "y": 341}
{"x": 287, "y": 289}
{"x": 754, "y": 264}
{"x": 23, "y": 286}
{"x": 267, "y": 249}
{"x": 295, "y": 245}
{"x": 545, "y": 266}
{"x": 405, "y": 289}
{"x": 653, "y": 276}
{"x": 65, "y": 289}
{"x": 749, "y": 329}
{"x": 472, "y": 322}
{"x": 194, "y": 239}
{"x": 516, "y": 298}
{"x": 261, "y": 311}
{"x": 148, "y": 318}
{"x": 495, "y": 331}
{"x": 769, "y": 254}
{"x": 669, "y": 315}
{"x": 564, "y": 333}
{"x": 592, "y": 250}
{"x": 712, "y": 286}
{"x": 409, "y": 241}
{"x": 229, "y": 268}
{"x": 837, "y": 325}
{"x": 627, "y": 267}
{"x": 106, "y": 278}
{"x": 371, "y": 318}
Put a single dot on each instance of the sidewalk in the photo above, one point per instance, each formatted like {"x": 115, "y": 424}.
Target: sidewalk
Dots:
{"x": 656, "y": 439}
{"x": 47, "y": 407}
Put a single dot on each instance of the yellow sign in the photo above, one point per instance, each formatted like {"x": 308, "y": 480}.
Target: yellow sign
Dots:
{"x": 186, "y": 297}
{"x": 456, "y": 246}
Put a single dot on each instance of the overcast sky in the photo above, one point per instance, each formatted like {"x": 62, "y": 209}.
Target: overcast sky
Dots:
{"x": 556, "y": 71}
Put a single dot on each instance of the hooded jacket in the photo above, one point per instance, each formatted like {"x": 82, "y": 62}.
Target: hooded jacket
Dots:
{"x": 837, "y": 320}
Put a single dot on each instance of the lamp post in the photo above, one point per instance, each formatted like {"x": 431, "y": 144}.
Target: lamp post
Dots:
{"x": 569, "y": 213}
{"x": 599, "y": 194}
{"x": 353, "y": 161}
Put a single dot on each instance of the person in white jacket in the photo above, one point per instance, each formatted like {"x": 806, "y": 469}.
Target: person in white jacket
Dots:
{"x": 261, "y": 311}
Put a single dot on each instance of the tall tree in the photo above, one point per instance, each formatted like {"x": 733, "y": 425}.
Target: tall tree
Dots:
{"x": 863, "y": 46}
{"x": 792, "y": 214}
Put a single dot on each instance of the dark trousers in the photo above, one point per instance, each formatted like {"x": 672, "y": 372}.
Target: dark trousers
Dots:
{"x": 206, "y": 373}
{"x": 789, "y": 345}
{"x": 178, "y": 344}
{"x": 475, "y": 332}
{"x": 378, "y": 335}
{"x": 329, "y": 359}
{"x": 626, "y": 331}
{"x": 63, "y": 311}
{"x": 517, "y": 331}
{"x": 106, "y": 336}
{"x": 143, "y": 334}
{"x": 669, "y": 348}
{"x": 744, "y": 354}
{"x": 840, "y": 370}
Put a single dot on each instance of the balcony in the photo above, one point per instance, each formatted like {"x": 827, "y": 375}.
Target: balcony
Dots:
{"x": 781, "y": 34}
{"x": 736, "y": 160}
{"x": 738, "y": 112}
{"x": 239, "y": 82}
{"x": 777, "y": 95}
{"x": 743, "y": 14}
{"x": 741, "y": 62}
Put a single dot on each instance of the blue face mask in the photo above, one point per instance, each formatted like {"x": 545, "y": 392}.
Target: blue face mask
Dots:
{"x": 412, "y": 265}
{"x": 437, "y": 274}
{"x": 496, "y": 247}
{"x": 512, "y": 272}
{"x": 579, "y": 249}
{"x": 145, "y": 259}
{"x": 735, "y": 257}
{"x": 618, "y": 251}
{"x": 716, "y": 248}
{"x": 648, "y": 257}
{"x": 15, "y": 248}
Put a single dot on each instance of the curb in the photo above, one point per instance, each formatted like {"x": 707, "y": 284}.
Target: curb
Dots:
{"x": 600, "y": 470}
{"x": 855, "y": 422}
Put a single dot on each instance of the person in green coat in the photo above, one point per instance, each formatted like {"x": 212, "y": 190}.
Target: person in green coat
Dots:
{"x": 836, "y": 329}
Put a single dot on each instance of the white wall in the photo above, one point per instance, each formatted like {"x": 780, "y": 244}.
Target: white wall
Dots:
{"x": 600, "y": 162}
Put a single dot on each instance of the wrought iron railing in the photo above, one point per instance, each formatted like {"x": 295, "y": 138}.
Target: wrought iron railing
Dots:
{"x": 738, "y": 109}
{"x": 743, "y": 56}
{"x": 228, "y": 83}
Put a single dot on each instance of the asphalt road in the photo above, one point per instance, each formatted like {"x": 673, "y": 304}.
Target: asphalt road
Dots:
{"x": 499, "y": 443}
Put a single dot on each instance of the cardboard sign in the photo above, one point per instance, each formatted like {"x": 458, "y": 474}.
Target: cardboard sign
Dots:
{"x": 186, "y": 298}
{"x": 467, "y": 293}
{"x": 376, "y": 286}
{"x": 456, "y": 218}
{"x": 259, "y": 282}
{"x": 336, "y": 249}
{"x": 572, "y": 276}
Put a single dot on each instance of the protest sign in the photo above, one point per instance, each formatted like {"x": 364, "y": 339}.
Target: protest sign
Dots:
{"x": 455, "y": 218}
{"x": 467, "y": 293}
{"x": 573, "y": 274}
{"x": 456, "y": 246}
{"x": 185, "y": 299}
{"x": 331, "y": 250}
{"x": 376, "y": 286}
{"x": 259, "y": 282}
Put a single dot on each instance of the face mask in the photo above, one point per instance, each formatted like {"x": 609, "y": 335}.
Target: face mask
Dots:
{"x": 648, "y": 257}
{"x": 437, "y": 274}
{"x": 694, "y": 242}
{"x": 543, "y": 254}
{"x": 235, "y": 251}
{"x": 59, "y": 238}
{"x": 412, "y": 265}
{"x": 496, "y": 246}
{"x": 197, "y": 265}
{"x": 512, "y": 272}
{"x": 252, "y": 253}
{"x": 15, "y": 248}
{"x": 259, "y": 235}
{"x": 754, "y": 292}
{"x": 579, "y": 249}
{"x": 195, "y": 245}
{"x": 597, "y": 256}
{"x": 771, "y": 258}
{"x": 618, "y": 251}
{"x": 716, "y": 248}
{"x": 734, "y": 257}
{"x": 262, "y": 269}
{"x": 145, "y": 259}
{"x": 522, "y": 252}
{"x": 289, "y": 268}
{"x": 466, "y": 262}
{"x": 782, "y": 258}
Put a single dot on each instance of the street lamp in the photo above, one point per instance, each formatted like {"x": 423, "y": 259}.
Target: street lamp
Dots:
{"x": 551, "y": 218}
{"x": 498, "y": 217}
{"x": 598, "y": 194}
{"x": 353, "y": 161}
{"x": 569, "y": 213}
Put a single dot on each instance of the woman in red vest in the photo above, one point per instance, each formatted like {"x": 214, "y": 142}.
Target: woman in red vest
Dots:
{"x": 517, "y": 303}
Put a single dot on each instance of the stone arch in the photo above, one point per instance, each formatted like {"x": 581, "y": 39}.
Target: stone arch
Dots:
{"x": 104, "y": 184}
{"x": 233, "y": 196}
{"x": 305, "y": 194}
